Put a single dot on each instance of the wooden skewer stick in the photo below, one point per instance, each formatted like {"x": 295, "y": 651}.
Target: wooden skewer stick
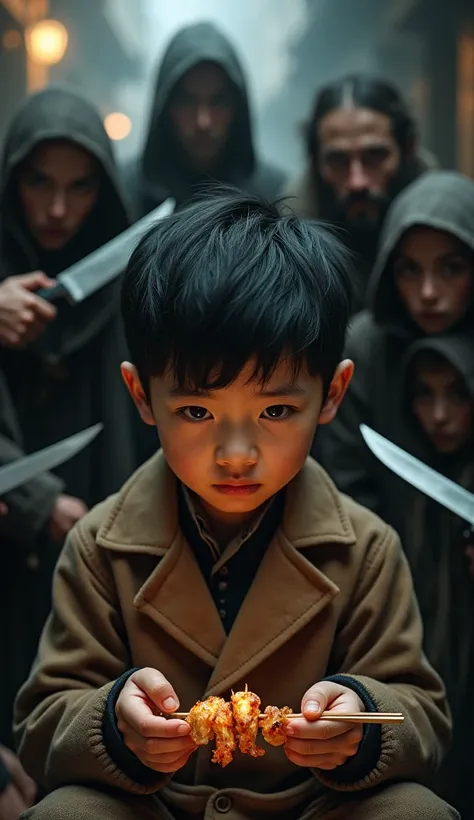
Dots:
{"x": 358, "y": 717}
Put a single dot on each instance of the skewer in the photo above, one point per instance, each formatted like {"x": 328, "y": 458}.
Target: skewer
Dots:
{"x": 358, "y": 717}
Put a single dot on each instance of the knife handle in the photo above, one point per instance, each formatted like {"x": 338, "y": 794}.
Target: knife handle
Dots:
{"x": 53, "y": 293}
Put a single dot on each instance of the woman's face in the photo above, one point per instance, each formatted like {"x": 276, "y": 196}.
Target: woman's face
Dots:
{"x": 434, "y": 275}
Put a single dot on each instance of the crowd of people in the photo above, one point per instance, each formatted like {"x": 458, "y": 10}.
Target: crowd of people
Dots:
{"x": 372, "y": 235}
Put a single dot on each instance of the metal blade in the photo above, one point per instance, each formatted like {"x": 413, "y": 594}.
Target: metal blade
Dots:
{"x": 18, "y": 472}
{"x": 419, "y": 475}
{"x": 106, "y": 263}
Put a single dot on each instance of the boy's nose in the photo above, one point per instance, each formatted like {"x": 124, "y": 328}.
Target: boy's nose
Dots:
{"x": 238, "y": 456}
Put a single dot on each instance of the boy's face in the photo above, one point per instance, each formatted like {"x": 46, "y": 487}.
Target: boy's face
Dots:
{"x": 237, "y": 446}
{"x": 443, "y": 406}
{"x": 434, "y": 274}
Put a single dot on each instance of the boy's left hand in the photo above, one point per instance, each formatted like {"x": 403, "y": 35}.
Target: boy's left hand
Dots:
{"x": 323, "y": 744}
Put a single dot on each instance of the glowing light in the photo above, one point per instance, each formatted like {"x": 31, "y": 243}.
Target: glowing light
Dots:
{"x": 46, "y": 42}
{"x": 118, "y": 125}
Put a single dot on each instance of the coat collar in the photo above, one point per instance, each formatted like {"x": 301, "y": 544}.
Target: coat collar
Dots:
{"x": 144, "y": 517}
{"x": 287, "y": 592}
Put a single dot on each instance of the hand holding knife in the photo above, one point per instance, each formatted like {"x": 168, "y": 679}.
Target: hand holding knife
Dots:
{"x": 105, "y": 264}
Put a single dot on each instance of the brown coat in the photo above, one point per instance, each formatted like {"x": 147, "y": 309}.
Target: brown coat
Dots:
{"x": 332, "y": 595}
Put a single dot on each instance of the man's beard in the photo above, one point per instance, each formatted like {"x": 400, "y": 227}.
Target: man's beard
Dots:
{"x": 361, "y": 230}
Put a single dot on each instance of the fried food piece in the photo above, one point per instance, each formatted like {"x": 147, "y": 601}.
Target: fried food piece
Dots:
{"x": 201, "y": 720}
{"x": 226, "y": 742}
{"x": 273, "y": 724}
{"x": 246, "y": 710}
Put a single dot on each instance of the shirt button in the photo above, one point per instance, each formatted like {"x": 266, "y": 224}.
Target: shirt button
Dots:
{"x": 223, "y": 804}
{"x": 222, "y": 613}
{"x": 224, "y": 571}
{"x": 222, "y": 586}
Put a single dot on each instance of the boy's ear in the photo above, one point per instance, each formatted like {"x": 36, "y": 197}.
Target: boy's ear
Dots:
{"x": 339, "y": 384}
{"x": 134, "y": 387}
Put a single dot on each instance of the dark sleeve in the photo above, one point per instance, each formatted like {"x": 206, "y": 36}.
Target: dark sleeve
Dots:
{"x": 340, "y": 447}
{"x": 123, "y": 758}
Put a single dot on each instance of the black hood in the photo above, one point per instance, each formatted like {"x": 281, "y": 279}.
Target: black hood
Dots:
{"x": 58, "y": 113}
{"x": 458, "y": 350}
{"x": 443, "y": 200}
{"x": 192, "y": 45}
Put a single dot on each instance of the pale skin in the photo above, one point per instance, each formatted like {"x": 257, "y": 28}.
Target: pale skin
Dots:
{"x": 434, "y": 275}
{"x": 358, "y": 153}
{"x": 202, "y": 111}
{"x": 260, "y": 433}
{"x": 57, "y": 185}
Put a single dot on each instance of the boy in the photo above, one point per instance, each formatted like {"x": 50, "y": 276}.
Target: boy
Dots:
{"x": 230, "y": 558}
{"x": 440, "y": 392}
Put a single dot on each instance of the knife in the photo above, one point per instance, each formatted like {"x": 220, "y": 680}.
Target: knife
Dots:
{"x": 103, "y": 265}
{"x": 22, "y": 470}
{"x": 446, "y": 492}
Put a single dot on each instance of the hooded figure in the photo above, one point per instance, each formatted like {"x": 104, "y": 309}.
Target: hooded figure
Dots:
{"x": 441, "y": 205}
{"x": 439, "y": 409}
{"x": 213, "y": 116}
{"x": 69, "y": 378}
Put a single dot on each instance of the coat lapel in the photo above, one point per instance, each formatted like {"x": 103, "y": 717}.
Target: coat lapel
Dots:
{"x": 144, "y": 520}
{"x": 286, "y": 594}
{"x": 288, "y": 590}
{"x": 177, "y": 598}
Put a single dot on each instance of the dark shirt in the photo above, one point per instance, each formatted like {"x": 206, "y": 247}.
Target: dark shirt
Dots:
{"x": 229, "y": 573}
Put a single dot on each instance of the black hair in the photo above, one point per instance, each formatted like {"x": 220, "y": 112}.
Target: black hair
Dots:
{"x": 364, "y": 91}
{"x": 229, "y": 279}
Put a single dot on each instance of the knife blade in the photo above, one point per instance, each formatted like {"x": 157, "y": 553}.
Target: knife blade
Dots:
{"x": 103, "y": 265}
{"x": 446, "y": 492}
{"x": 18, "y": 472}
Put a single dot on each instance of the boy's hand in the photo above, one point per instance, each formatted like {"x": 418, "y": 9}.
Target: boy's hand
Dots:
{"x": 323, "y": 744}
{"x": 160, "y": 743}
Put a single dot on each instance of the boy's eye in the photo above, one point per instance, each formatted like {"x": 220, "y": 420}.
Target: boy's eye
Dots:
{"x": 195, "y": 413}
{"x": 277, "y": 412}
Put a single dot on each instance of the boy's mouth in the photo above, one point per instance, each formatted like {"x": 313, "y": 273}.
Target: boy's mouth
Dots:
{"x": 237, "y": 488}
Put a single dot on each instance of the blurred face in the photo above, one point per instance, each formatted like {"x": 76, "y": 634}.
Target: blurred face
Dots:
{"x": 434, "y": 275}
{"x": 58, "y": 186}
{"x": 202, "y": 111}
{"x": 443, "y": 406}
{"x": 237, "y": 446}
{"x": 358, "y": 160}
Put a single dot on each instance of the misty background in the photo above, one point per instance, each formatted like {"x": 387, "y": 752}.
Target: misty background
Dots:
{"x": 288, "y": 47}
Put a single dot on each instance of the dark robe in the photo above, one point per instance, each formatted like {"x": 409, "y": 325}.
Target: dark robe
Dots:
{"x": 66, "y": 381}
{"x": 435, "y": 542}
{"x": 379, "y": 341}
{"x": 160, "y": 172}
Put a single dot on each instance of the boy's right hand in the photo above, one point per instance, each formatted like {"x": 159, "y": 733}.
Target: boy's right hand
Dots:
{"x": 160, "y": 743}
